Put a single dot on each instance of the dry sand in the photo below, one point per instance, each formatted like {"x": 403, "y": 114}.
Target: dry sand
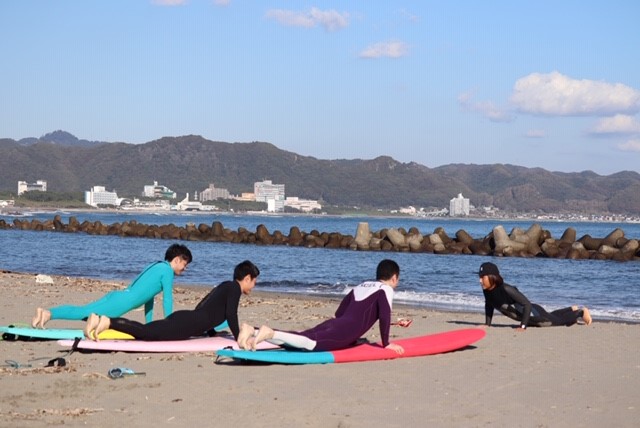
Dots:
{"x": 547, "y": 377}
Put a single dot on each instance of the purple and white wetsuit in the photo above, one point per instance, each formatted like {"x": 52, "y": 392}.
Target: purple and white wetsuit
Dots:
{"x": 367, "y": 303}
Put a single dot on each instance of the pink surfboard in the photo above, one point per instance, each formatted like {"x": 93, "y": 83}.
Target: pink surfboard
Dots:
{"x": 199, "y": 344}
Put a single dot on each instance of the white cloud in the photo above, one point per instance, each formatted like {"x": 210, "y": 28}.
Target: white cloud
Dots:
{"x": 222, "y": 2}
{"x": 385, "y": 49}
{"x": 618, "y": 124}
{"x": 554, "y": 94}
{"x": 630, "y": 146}
{"x": 535, "y": 133}
{"x": 409, "y": 16}
{"x": 330, "y": 20}
{"x": 486, "y": 108}
{"x": 169, "y": 2}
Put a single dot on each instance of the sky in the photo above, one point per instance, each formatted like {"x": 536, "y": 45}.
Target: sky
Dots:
{"x": 549, "y": 84}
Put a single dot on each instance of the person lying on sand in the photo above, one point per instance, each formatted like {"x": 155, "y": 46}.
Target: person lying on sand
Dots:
{"x": 155, "y": 278}
{"x": 513, "y": 304}
{"x": 219, "y": 305}
{"x": 365, "y": 304}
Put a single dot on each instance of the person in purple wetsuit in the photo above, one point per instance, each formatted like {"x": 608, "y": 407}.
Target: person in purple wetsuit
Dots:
{"x": 365, "y": 304}
{"x": 512, "y": 303}
{"x": 156, "y": 278}
{"x": 219, "y": 305}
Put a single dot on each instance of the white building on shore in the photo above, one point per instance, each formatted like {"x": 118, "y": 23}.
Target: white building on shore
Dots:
{"x": 459, "y": 206}
{"x": 157, "y": 191}
{"x": 212, "y": 193}
{"x": 98, "y": 195}
{"x": 272, "y": 194}
{"x": 187, "y": 205}
{"x": 23, "y": 186}
{"x": 304, "y": 205}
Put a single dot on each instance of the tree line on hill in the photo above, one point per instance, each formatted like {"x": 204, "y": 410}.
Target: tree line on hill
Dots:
{"x": 190, "y": 163}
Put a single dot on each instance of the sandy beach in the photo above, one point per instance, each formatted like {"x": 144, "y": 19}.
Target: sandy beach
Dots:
{"x": 546, "y": 377}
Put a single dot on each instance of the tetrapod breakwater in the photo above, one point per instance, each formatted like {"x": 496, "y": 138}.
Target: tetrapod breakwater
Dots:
{"x": 518, "y": 242}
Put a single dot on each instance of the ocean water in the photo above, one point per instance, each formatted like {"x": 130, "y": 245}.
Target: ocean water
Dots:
{"x": 610, "y": 289}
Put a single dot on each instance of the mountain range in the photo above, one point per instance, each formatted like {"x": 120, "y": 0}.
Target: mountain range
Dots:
{"x": 189, "y": 163}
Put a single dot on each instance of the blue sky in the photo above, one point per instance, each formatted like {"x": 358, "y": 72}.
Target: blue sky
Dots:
{"x": 550, "y": 84}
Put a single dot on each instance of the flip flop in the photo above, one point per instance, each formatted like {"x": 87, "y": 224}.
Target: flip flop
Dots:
{"x": 118, "y": 372}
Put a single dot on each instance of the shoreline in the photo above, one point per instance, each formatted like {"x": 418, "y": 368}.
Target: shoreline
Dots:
{"x": 558, "y": 376}
{"x": 204, "y": 288}
{"x": 516, "y": 218}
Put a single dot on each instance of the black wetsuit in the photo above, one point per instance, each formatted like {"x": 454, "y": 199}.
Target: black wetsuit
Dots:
{"x": 219, "y": 305}
{"x": 513, "y": 304}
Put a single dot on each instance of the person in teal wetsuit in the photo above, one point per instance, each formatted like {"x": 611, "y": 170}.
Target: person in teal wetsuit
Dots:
{"x": 155, "y": 278}
{"x": 219, "y": 305}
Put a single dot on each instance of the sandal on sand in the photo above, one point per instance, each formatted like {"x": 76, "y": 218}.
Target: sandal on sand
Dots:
{"x": 118, "y": 372}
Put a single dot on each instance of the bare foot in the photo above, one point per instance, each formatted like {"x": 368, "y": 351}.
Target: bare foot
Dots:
{"x": 103, "y": 324}
{"x": 246, "y": 332}
{"x": 41, "y": 318}
{"x": 264, "y": 333}
{"x": 586, "y": 316}
{"x": 36, "y": 319}
{"x": 90, "y": 326}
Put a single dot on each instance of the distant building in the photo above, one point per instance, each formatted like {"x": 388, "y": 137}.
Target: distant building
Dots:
{"x": 39, "y": 185}
{"x": 98, "y": 195}
{"x": 411, "y": 210}
{"x": 157, "y": 191}
{"x": 246, "y": 196}
{"x": 187, "y": 205}
{"x": 459, "y": 206}
{"x": 272, "y": 194}
{"x": 212, "y": 194}
{"x": 304, "y": 205}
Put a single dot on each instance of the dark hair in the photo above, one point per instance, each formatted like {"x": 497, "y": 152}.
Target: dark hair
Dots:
{"x": 178, "y": 250}
{"x": 495, "y": 280}
{"x": 386, "y": 269}
{"x": 245, "y": 268}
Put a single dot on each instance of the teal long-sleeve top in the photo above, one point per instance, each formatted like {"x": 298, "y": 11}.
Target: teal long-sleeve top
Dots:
{"x": 156, "y": 278}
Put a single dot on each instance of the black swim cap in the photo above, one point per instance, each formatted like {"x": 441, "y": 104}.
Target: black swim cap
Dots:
{"x": 488, "y": 269}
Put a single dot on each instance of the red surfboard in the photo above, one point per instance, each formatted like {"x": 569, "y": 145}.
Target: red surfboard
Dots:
{"x": 413, "y": 347}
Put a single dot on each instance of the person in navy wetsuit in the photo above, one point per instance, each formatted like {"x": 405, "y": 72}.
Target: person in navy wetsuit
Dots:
{"x": 156, "y": 278}
{"x": 365, "y": 304}
{"x": 219, "y": 305}
{"x": 512, "y": 303}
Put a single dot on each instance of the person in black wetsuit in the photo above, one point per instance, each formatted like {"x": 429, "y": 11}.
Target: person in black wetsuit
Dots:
{"x": 512, "y": 303}
{"x": 218, "y": 305}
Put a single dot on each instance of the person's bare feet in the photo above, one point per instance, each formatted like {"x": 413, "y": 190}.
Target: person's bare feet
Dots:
{"x": 586, "y": 316}
{"x": 246, "y": 332}
{"x": 41, "y": 318}
{"x": 36, "y": 318}
{"x": 103, "y": 324}
{"x": 264, "y": 333}
{"x": 90, "y": 326}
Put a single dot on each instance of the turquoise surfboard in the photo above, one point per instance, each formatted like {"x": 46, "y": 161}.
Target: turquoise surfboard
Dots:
{"x": 16, "y": 333}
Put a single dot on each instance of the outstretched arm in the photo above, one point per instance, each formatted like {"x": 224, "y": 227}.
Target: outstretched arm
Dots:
{"x": 384, "y": 318}
{"x": 167, "y": 294}
{"x": 520, "y": 298}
